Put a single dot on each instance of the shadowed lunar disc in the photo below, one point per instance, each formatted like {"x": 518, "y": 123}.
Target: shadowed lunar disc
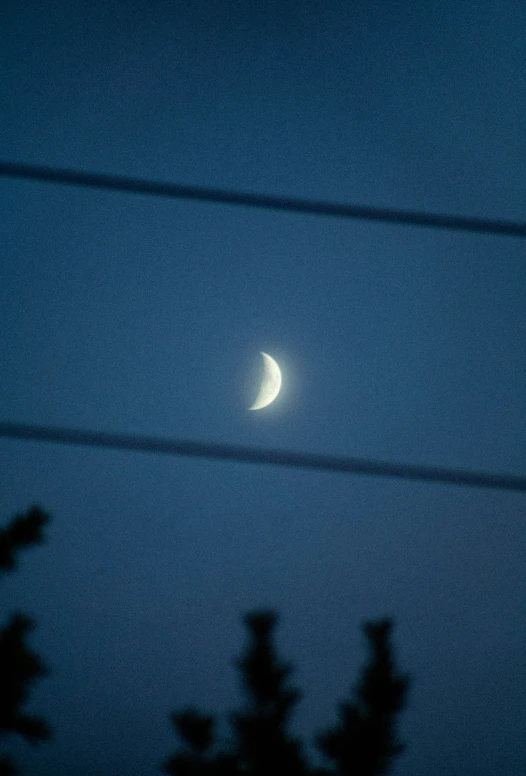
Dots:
{"x": 270, "y": 384}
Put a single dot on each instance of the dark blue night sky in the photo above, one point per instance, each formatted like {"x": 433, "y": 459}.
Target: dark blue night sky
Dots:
{"x": 140, "y": 315}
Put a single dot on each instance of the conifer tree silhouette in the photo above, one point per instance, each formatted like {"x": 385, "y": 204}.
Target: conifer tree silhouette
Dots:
{"x": 196, "y": 732}
{"x": 362, "y": 744}
{"x": 19, "y": 665}
{"x": 263, "y": 743}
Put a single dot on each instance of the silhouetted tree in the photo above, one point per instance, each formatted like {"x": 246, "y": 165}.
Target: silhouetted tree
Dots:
{"x": 19, "y": 665}
{"x": 22, "y": 532}
{"x": 362, "y": 744}
{"x": 263, "y": 743}
{"x": 196, "y": 732}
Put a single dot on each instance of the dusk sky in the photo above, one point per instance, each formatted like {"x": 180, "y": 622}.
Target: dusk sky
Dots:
{"x": 133, "y": 314}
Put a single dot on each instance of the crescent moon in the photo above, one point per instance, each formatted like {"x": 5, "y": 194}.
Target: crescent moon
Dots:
{"x": 270, "y": 384}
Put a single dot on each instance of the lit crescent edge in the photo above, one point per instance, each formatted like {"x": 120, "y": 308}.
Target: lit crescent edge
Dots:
{"x": 270, "y": 385}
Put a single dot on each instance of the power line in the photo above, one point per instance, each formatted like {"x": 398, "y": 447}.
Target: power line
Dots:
{"x": 261, "y": 201}
{"x": 329, "y": 463}
{"x": 233, "y": 452}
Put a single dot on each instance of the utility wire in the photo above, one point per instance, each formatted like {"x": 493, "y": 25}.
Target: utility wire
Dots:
{"x": 261, "y": 201}
{"x": 329, "y": 463}
{"x": 234, "y": 452}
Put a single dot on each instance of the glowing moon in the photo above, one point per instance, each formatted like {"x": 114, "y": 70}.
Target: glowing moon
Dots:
{"x": 270, "y": 384}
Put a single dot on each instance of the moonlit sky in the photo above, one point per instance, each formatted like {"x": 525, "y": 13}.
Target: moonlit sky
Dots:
{"x": 141, "y": 315}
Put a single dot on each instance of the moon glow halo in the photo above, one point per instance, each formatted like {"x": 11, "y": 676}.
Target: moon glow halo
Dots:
{"x": 270, "y": 383}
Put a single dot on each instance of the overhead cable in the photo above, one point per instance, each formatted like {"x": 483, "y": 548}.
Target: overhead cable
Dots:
{"x": 261, "y": 201}
{"x": 225, "y": 452}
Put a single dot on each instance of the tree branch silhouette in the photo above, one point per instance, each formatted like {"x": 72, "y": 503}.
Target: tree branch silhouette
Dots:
{"x": 363, "y": 743}
{"x": 20, "y": 666}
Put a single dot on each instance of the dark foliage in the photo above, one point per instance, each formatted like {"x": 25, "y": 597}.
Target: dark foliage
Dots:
{"x": 196, "y": 731}
{"x": 19, "y": 665}
{"x": 263, "y": 743}
{"x": 19, "y": 668}
{"x": 23, "y": 531}
{"x": 362, "y": 744}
